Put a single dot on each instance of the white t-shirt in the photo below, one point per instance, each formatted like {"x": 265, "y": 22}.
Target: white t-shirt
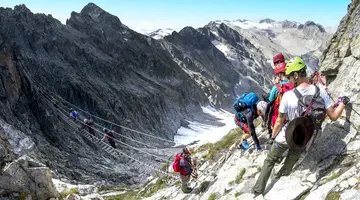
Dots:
{"x": 289, "y": 106}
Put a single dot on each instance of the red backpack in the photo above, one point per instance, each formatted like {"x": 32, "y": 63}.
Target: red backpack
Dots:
{"x": 176, "y": 164}
{"x": 282, "y": 89}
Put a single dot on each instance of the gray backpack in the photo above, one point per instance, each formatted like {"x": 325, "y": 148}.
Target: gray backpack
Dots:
{"x": 313, "y": 107}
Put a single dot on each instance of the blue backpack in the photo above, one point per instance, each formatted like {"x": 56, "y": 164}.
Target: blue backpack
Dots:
{"x": 246, "y": 100}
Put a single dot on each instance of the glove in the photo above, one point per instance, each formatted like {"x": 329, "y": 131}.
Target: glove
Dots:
{"x": 345, "y": 100}
{"x": 338, "y": 100}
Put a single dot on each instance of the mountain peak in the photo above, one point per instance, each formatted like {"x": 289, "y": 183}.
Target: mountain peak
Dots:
{"x": 310, "y": 23}
{"x": 267, "y": 21}
{"x": 288, "y": 24}
{"x": 92, "y": 13}
{"x": 96, "y": 13}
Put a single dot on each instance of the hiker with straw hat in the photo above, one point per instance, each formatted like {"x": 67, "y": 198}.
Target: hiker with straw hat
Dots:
{"x": 304, "y": 110}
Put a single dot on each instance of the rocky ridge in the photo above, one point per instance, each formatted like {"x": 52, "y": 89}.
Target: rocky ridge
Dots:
{"x": 98, "y": 64}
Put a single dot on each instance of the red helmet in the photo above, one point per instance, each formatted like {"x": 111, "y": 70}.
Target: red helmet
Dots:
{"x": 280, "y": 68}
{"x": 278, "y": 58}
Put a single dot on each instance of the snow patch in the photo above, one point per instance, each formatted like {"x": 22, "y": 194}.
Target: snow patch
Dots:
{"x": 204, "y": 133}
{"x": 215, "y": 33}
{"x": 160, "y": 33}
{"x": 222, "y": 47}
{"x": 250, "y": 24}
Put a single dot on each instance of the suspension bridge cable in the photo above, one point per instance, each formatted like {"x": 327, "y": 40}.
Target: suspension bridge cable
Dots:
{"x": 104, "y": 120}
{"x": 100, "y": 126}
{"x": 150, "y": 166}
{"x": 61, "y": 108}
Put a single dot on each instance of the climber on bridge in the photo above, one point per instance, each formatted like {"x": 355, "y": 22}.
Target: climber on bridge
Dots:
{"x": 109, "y": 136}
{"x": 186, "y": 168}
{"x": 277, "y": 91}
{"x": 89, "y": 123}
{"x": 244, "y": 118}
{"x": 301, "y": 114}
{"x": 74, "y": 115}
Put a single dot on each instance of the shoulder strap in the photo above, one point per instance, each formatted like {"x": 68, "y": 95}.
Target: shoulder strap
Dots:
{"x": 278, "y": 86}
{"x": 297, "y": 93}
{"x": 317, "y": 91}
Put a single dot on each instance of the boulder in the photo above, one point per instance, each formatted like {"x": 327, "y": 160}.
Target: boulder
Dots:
{"x": 26, "y": 175}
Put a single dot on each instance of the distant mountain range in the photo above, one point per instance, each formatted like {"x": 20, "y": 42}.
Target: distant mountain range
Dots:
{"x": 270, "y": 37}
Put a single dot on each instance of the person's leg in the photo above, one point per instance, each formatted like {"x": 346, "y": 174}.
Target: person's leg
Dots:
{"x": 112, "y": 143}
{"x": 274, "y": 154}
{"x": 255, "y": 138}
{"x": 290, "y": 160}
{"x": 246, "y": 136}
{"x": 184, "y": 183}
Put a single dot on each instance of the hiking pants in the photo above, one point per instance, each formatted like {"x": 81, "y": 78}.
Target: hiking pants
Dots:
{"x": 112, "y": 143}
{"x": 275, "y": 154}
{"x": 255, "y": 138}
{"x": 184, "y": 183}
{"x": 91, "y": 130}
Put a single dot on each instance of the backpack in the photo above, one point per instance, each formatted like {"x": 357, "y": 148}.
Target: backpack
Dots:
{"x": 313, "y": 107}
{"x": 240, "y": 119}
{"x": 74, "y": 114}
{"x": 246, "y": 100}
{"x": 176, "y": 163}
{"x": 282, "y": 89}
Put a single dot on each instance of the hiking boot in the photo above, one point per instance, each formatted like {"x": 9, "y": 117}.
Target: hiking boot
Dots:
{"x": 188, "y": 190}
{"x": 245, "y": 144}
{"x": 258, "y": 147}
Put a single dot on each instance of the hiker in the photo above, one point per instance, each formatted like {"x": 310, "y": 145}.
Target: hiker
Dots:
{"x": 304, "y": 110}
{"x": 245, "y": 120}
{"x": 74, "y": 115}
{"x": 277, "y": 92}
{"x": 109, "y": 136}
{"x": 186, "y": 168}
{"x": 89, "y": 123}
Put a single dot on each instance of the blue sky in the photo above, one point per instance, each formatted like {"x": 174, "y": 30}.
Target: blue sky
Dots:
{"x": 146, "y": 15}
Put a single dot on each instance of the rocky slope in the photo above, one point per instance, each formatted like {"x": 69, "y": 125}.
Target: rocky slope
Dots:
{"x": 203, "y": 62}
{"x": 101, "y": 66}
{"x": 243, "y": 55}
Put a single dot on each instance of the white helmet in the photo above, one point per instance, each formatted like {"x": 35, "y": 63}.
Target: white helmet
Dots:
{"x": 261, "y": 106}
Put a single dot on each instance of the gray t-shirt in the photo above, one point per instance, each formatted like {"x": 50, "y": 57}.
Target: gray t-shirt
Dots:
{"x": 289, "y": 106}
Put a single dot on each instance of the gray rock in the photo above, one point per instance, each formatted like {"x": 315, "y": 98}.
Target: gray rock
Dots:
{"x": 350, "y": 194}
{"x": 28, "y": 175}
{"x": 287, "y": 188}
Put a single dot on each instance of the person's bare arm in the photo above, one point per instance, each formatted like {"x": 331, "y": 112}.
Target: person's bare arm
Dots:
{"x": 278, "y": 124}
{"x": 334, "y": 113}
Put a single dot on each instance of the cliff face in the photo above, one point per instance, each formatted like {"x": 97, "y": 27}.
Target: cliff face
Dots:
{"x": 204, "y": 63}
{"x": 101, "y": 66}
{"x": 341, "y": 60}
